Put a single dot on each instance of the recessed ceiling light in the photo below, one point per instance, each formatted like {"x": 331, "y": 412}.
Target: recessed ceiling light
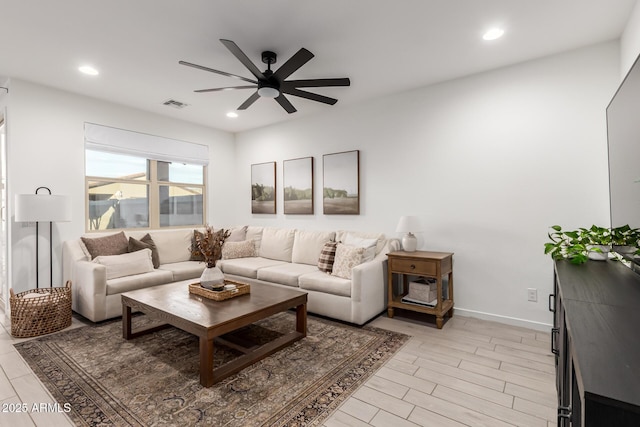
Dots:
{"x": 89, "y": 70}
{"x": 492, "y": 34}
{"x": 232, "y": 114}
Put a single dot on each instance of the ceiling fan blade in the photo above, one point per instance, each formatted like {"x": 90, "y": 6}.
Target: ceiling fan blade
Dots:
{"x": 219, "y": 89}
{"x": 317, "y": 83}
{"x": 309, "y": 95}
{"x": 284, "y": 102}
{"x": 200, "y": 67}
{"x": 300, "y": 58}
{"x": 233, "y": 48}
{"x": 246, "y": 104}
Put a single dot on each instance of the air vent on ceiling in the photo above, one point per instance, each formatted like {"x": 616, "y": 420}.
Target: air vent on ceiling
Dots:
{"x": 175, "y": 104}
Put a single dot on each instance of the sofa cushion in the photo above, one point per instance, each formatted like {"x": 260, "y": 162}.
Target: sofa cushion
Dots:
{"x": 237, "y": 234}
{"x": 307, "y": 245}
{"x": 255, "y": 234}
{"x": 277, "y": 243}
{"x": 327, "y": 257}
{"x": 138, "y": 281}
{"x": 347, "y": 257}
{"x": 145, "y": 243}
{"x": 113, "y": 244}
{"x": 285, "y": 274}
{"x": 126, "y": 264}
{"x": 247, "y": 267}
{"x": 322, "y": 282}
{"x": 244, "y": 249}
{"x": 173, "y": 245}
{"x": 184, "y": 270}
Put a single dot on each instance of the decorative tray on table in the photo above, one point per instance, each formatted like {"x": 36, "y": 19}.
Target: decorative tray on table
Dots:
{"x": 240, "y": 289}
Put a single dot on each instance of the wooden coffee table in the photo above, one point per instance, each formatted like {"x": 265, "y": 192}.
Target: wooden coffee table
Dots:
{"x": 207, "y": 319}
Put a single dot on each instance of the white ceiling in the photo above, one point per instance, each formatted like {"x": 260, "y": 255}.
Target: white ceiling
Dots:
{"x": 382, "y": 46}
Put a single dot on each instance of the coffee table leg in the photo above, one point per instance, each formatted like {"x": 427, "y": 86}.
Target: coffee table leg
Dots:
{"x": 126, "y": 322}
{"x": 206, "y": 362}
{"x": 301, "y": 319}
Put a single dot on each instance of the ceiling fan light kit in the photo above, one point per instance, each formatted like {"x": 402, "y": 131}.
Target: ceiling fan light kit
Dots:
{"x": 268, "y": 91}
{"x": 270, "y": 84}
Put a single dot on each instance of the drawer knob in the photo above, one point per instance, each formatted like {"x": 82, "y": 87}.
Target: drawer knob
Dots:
{"x": 413, "y": 267}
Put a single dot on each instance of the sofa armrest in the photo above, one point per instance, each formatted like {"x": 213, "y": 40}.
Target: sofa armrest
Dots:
{"x": 368, "y": 280}
{"x": 71, "y": 253}
{"x": 90, "y": 290}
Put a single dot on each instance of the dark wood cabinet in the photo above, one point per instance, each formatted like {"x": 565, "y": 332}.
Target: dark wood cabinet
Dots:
{"x": 596, "y": 341}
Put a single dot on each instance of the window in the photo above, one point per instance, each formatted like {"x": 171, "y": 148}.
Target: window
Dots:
{"x": 136, "y": 189}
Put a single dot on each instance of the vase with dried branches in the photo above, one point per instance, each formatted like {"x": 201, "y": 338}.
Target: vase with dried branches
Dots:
{"x": 210, "y": 244}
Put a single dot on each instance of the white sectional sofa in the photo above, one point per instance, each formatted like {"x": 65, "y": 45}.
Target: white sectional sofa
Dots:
{"x": 282, "y": 257}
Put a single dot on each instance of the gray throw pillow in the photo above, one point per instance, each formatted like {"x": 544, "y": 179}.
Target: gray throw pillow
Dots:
{"x": 145, "y": 243}
{"x": 113, "y": 244}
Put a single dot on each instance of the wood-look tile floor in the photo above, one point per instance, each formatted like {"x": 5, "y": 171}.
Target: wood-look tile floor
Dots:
{"x": 470, "y": 373}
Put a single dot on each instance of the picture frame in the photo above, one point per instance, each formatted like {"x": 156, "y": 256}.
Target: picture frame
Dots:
{"x": 341, "y": 183}
{"x": 263, "y": 188}
{"x": 297, "y": 179}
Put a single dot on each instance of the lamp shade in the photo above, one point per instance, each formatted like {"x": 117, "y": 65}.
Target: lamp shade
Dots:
{"x": 407, "y": 224}
{"x": 42, "y": 207}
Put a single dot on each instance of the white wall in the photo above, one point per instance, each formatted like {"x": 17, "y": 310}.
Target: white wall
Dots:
{"x": 489, "y": 162}
{"x": 45, "y": 139}
{"x": 630, "y": 42}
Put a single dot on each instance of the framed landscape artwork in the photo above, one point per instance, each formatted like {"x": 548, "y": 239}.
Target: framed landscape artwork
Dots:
{"x": 298, "y": 186}
{"x": 263, "y": 188}
{"x": 341, "y": 185}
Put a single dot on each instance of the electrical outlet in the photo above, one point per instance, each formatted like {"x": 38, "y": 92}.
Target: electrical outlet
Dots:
{"x": 532, "y": 294}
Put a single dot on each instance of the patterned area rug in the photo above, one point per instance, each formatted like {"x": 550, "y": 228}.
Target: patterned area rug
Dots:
{"x": 153, "y": 380}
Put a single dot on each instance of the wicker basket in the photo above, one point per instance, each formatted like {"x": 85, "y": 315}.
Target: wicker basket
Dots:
{"x": 39, "y": 315}
{"x": 241, "y": 289}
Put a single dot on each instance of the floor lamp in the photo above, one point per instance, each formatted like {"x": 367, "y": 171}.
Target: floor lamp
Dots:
{"x": 43, "y": 208}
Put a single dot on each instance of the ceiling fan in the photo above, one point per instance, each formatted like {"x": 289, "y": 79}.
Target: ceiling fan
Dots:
{"x": 273, "y": 84}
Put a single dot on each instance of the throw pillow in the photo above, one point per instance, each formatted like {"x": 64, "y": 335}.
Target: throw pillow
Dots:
{"x": 327, "y": 257}
{"x": 126, "y": 264}
{"x": 231, "y": 250}
{"x": 368, "y": 244}
{"x": 347, "y": 257}
{"x": 196, "y": 255}
{"x": 145, "y": 243}
{"x": 113, "y": 244}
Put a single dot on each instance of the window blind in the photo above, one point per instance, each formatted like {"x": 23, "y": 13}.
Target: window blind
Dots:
{"x": 113, "y": 140}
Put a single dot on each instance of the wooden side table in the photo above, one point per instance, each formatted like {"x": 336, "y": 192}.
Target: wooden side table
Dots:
{"x": 425, "y": 264}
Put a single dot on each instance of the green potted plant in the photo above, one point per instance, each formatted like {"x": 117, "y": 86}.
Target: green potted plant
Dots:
{"x": 566, "y": 245}
{"x": 598, "y": 242}
{"x": 625, "y": 239}
{"x": 579, "y": 245}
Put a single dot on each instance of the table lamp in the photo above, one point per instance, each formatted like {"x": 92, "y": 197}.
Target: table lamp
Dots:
{"x": 407, "y": 224}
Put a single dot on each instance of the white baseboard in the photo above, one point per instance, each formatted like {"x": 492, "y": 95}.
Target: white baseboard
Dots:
{"x": 514, "y": 321}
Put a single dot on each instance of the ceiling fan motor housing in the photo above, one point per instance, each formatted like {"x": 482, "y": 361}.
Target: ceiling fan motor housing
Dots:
{"x": 269, "y": 57}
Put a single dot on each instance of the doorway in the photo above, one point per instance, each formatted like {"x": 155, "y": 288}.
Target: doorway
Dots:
{"x": 4, "y": 283}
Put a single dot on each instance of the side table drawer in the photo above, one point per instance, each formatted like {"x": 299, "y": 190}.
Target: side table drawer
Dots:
{"x": 413, "y": 266}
